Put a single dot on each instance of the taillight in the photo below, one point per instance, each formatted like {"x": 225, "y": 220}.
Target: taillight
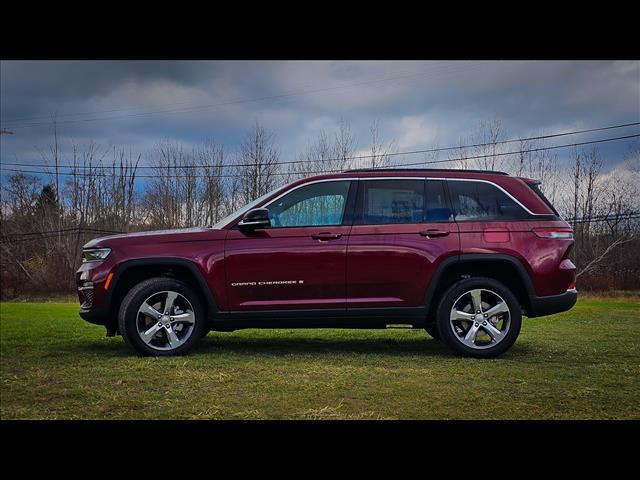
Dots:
{"x": 554, "y": 233}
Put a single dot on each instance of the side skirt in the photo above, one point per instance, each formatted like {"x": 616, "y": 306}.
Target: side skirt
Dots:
{"x": 324, "y": 318}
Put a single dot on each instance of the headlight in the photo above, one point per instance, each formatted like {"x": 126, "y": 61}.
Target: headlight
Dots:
{"x": 95, "y": 255}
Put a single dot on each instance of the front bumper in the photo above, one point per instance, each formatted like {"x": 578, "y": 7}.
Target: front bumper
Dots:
{"x": 94, "y": 315}
{"x": 100, "y": 316}
{"x": 90, "y": 279}
{"x": 541, "y": 306}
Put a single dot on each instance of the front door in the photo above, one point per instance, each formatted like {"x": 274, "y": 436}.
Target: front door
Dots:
{"x": 299, "y": 262}
{"x": 402, "y": 229}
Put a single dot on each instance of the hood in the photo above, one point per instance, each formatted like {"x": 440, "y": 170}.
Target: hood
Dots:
{"x": 158, "y": 236}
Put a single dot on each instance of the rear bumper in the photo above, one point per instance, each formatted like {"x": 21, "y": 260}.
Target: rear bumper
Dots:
{"x": 541, "y": 306}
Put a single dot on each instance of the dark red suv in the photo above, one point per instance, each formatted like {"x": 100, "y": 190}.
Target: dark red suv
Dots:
{"x": 461, "y": 253}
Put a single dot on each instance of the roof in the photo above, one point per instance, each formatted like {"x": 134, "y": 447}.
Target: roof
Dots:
{"x": 455, "y": 170}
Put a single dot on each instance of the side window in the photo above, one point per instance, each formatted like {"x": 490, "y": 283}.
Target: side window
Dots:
{"x": 437, "y": 204}
{"x": 482, "y": 201}
{"x": 390, "y": 201}
{"x": 316, "y": 204}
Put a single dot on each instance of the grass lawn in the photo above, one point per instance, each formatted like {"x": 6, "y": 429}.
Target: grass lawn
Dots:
{"x": 577, "y": 365}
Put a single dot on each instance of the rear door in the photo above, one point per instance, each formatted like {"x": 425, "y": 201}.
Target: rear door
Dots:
{"x": 402, "y": 229}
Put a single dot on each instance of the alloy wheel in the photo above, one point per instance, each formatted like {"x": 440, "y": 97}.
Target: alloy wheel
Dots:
{"x": 165, "y": 320}
{"x": 480, "y": 318}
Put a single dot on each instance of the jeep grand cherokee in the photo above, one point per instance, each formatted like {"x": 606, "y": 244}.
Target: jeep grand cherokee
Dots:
{"x": 462, "y": 254}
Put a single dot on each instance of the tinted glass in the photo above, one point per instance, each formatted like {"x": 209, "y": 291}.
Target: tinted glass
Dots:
{"x": 437, "y": 205}
{"x": 390, "y": 201}
{"x": 316, "y": 204}
{"x": 482, "y": 201}
{"x": 536, "y": 188}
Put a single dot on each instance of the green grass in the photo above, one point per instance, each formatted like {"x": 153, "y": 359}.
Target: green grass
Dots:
{"x": 580, "y": 364}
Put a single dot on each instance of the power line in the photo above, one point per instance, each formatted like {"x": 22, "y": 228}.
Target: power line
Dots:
{"x": 539, "y": 149}
{"x": 20, "y": 237}
{"x": 25, "y": 237}
{"x": 413, "y": 164}
{"x": 71, "y": 229}
{"x": 358, "y": 157}
{"x": 234, "y": 102}
{"x": 608, "y": 216}
{"x": 603, "y": 219}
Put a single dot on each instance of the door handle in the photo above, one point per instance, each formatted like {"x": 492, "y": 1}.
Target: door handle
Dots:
{"x": 433, "y": 233}
{"x": 326, "y": 236}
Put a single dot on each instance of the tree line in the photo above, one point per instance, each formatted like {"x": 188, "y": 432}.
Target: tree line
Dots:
{"x": 45, "y": 221}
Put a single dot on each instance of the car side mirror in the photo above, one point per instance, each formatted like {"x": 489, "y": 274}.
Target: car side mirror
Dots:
{"x": 255, "y": 219}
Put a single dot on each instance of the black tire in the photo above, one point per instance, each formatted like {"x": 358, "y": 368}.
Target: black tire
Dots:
{"x": 454, "y": 293}
{"x": 128, "y": 315}
{"x": 432, "y": 329}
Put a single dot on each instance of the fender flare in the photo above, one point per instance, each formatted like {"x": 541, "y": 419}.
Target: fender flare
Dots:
{"x": 122, "y": 268}
{"x": 479, "y": 257}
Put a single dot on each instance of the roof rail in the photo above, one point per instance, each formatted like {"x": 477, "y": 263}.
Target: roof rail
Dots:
{"x": 362, "y": 170}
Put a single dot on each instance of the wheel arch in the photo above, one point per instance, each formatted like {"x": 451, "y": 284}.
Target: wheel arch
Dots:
{"x": 132, "y": 272}
{"x": 504, "y": 268}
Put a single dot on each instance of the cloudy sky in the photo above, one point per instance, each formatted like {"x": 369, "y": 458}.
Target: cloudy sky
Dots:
{"x": 418, "y": 104}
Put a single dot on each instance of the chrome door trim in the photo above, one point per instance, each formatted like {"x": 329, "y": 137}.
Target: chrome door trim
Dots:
{"x": 349, "y": 179}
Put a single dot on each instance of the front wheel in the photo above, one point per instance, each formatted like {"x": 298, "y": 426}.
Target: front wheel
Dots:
{"x": 162, "y": 316}
{"x": 432, "y": 329}
{"x": 479, "y": 317}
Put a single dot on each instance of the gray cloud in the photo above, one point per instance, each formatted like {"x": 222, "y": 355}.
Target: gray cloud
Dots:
{"x": 418, "y": 104}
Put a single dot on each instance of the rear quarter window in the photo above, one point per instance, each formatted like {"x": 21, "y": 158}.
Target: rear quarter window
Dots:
{"x": 480, "y": 201}
{"x": 536, "y": 188}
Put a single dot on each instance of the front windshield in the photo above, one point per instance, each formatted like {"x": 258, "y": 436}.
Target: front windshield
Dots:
{"x": 222, "y": 223}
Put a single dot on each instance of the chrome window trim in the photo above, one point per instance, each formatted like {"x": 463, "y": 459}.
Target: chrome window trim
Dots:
{"x": 495, "y": 185}
{"x": 349, "y": 179}
{"x": 459, "y": 180}
{"x": 344, "y": 179}
{"x": 324, "y": 180}
{"x": 266, "y": 205}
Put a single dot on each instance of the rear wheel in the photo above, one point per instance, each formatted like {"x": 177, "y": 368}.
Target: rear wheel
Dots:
{"x": 479, "y": 317}
{"x": 162, "y": 316}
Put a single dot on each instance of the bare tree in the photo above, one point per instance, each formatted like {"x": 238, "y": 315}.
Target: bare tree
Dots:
{"x": 595, "y": 261}
{"x": 45, "y": 220}
{"x": 316, "y": 158}
{"x": 542, "y": 165}
{"x": 158, "y": 200}
{"x": 459, "y": 155}
{"x": 257, "y": 164}
{"x": 488, "y": 136}
{"x": 344, "y": 148}
{"x": 379, "y": 150}
{"x": 211, "y": 158}
{"x": 484, "y": 150}
{"x": 321, "y": 155}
